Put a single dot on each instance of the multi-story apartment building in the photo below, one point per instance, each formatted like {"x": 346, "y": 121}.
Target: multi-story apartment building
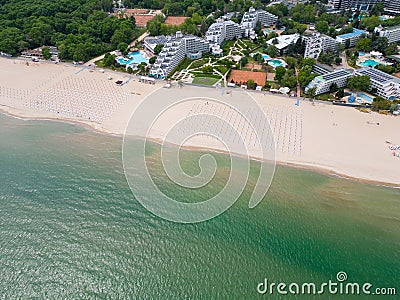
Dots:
{"x": 386, "y": 85}
{"x": 391, "y": 33}
{"x": 390, "y": 6}
{"x": 352, "y": 37}
{"x": 250, "y": 19}
{"x": 322, "y": 83}
{"x": 151, "y": 42}
{"x": 317, "y": 43}
{"x": 175, "y": 50}
{"x": 223, "y": 30}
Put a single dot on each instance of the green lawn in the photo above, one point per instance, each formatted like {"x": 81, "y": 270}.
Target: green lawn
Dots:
{"x": 205, "y": 80}
{"x": 198, "y": 63}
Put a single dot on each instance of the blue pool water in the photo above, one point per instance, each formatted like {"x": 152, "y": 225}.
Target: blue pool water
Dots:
{"x": 267, "y": 31}
{"x": 133, "y": 57}
{"x": 369, "y": 63}
{"x": 365, "y": 97}
{"x": 265, "y": 56}
{"x": 361, "y": 53}
{"x": 276, "y": 63}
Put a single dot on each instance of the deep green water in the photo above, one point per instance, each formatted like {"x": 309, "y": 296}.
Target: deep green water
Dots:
{"x": 70, "y": 227}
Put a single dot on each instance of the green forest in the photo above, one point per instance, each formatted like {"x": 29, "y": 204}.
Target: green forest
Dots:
{"x": 81, "y": 29}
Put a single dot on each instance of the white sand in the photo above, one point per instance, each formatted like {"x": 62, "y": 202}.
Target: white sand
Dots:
{"x": 332, "y": 138}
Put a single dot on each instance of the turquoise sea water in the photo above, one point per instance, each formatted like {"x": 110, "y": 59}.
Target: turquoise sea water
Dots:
{"x": 70, "y": 227}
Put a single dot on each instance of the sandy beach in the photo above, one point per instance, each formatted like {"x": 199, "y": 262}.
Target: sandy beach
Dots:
{"x": 335, "y": 139}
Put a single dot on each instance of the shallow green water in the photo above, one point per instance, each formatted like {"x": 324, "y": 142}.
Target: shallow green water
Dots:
{"x": 70, "y": 227}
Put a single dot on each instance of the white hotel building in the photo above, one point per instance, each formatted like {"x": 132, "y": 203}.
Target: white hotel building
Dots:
{"x": 386, "y": 85}
{"x": 175, "y": 50}
{"x": 352, "y": 37}
{"x": 178, "y": 46}
{"x": 250, "y": 19}
{"x": 391, "y": 33}
{"x": 322, "y": 83}
{"x": 222, "y": 30}
{"x": 318, "y": 43}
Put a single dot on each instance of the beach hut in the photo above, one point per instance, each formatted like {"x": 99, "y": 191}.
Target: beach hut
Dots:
{"x": 147, "y": 79}
{"x": 284, "y": 90}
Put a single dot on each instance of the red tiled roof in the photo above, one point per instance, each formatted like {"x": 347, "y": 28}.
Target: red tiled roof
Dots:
{"x": 136, "y": 11}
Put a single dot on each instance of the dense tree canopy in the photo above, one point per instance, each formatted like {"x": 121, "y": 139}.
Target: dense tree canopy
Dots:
{"x": 81, "y": 29}
{"x": 358, "y": 83}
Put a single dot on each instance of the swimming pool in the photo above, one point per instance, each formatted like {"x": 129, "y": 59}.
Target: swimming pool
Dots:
{"x": 134, "y": 57}
{"x": 276, "y": 63}
{"x": 365, "y": 97}
{"x": 369, "y": 63}
{"x": 265, "y": 56}
{"x": 267, "y": 31}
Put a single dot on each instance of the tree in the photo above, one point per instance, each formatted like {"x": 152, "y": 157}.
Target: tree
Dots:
{"x": 258, "y": 58}
{"x": 108, "y": 60}
{"x": 305, "y": 76}
{"x": 243, "y": 61}
{"x": 364, "y": 44}
{"x": 379, "y": 43}
{"x": 289, "y": 81}
{"x": 322, "y": 26}
{"x": 291, "y": 61}
{"x": 311, "y": 92}
{"x": 380, "y": 103}
{"x": 46, "y": 53}
{"x": 370, "y": 23}
{"x": 257, "y": 29}
{"x": 339, "y": 94}
{"x": 152, "y": 59}
{"x": 378, "y": 9}
{"x": 130, "y": 70}
{"x": 272, "y": 51}
{"x": 333, "y": 87}
{"x": 307, "y": 62}
{"x": 142, "y": 67}
{"x": 359, "y": 83}
{"x": 279, "y": 73}
{"x": 392, "y": 49}
{"x": 251, "y": 84}
{"x": 123, "y": 47}
{"x": 158, "y": 48}
{"x": 386, "y": 68}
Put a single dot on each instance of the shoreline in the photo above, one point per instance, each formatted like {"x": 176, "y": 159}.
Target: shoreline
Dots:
{"x": 326, "y": 138}
{"x": 313, "y": 167}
